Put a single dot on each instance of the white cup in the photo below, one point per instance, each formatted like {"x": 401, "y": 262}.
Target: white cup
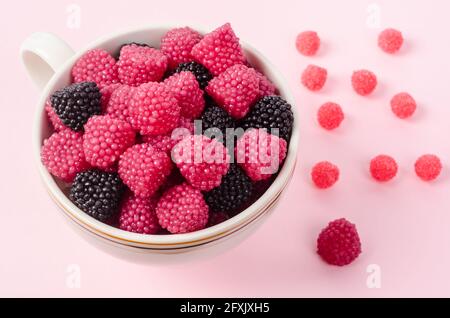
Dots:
{"x": 49, "y": 60}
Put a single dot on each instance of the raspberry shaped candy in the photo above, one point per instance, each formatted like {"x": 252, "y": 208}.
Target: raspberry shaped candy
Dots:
{"x": 153, "y": 109}
{"x": 119, "y": 101}
{"x": 266, "y": 87}
{"x": 235, "y": 90}
{"x": 325, "y": 174}
{"x": 339, "y": 243}
{"x": 75, "y": 103}
{"x": 390, "y": 40}
{"x": 200, "y": 72}
{"x": 138, "y": 215}
{"x": 271, "y": 112}
{"x": 383, "y": 168}
{"x": 307, "y": 43}
{"x": 234, "y": 191}
{"x": 202, "y": 161}
{"x": 140, "y": 64}
{"x": 182, "y": 209}
{"x": 62, "y": 154}
{"x": 144, "y": 169}
{"x": 314, "y": 77}
{"x": 97, "y": 193}
{"x": 185, "y": 88}
{"x": 403, "y": 105}
{"x": 54, "y": 119}
{"x": 330, "y": 116}
{"x": 364, "y": 82}
{"x": 219, "y": 50}
{"x": 105, "y": 139}
{"x": 165, "y": 143}
{"x": 106, "y": 92}
{"x": 177, "y": 44}
{"x": 260, "y": 154}
{"x": 97, "y": 66}
{"x": 428, "y": 167}
{"x": 214, "y": 120}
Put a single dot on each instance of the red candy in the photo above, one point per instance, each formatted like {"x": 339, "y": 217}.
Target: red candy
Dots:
{"x": 364, "y": 82}
{"x": 202, "y": 161}
{"x": 314, "y": 77}
{"x": 54, "y": 119}
{"x": 144, "y": 169}
{"x": 307, "y": 43}
{"x": 339, "y": 243}
{"x": 153, "y": 109}
{"x": 325, "y": 174}
{"x": 186, "y": 90}
{"x": 330, "y": 115}
{"x": 138, "y": 215}
{"x": 177, "y": 45}
{"x": 105, "y": 139}
{"x": 383, "y": 168}
{"x": 390, "y": 40}
{"x": 182, "y": 209}
{"x": 63, "y": 156}
{"x": 97, "y": 66}
{"x": 219, "y": 50}
{"x": 428, "y": 167}
{"x": 403, "y": 105}
{"x": 235, "y": 90}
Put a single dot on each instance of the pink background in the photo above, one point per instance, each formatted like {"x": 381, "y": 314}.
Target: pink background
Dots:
{"x": 404, "y": 225}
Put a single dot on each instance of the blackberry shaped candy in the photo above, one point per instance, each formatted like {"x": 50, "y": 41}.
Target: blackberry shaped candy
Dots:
{"x": 201, "y": 73}
{"x": 76, "y": 103}
{"x": 97, "y": 193}
{"x": 216, "y": 117}
{"x": 271, "y": 112}
{"x": 234, "y": 191}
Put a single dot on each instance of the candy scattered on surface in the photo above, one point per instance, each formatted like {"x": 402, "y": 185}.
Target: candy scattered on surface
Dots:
{"x": 314, "y": 77}
{"x": 330, "y": 116}
{"x": 390, "y": 40}
{"x": 403, "y": 105}
{"x": 364, "y": 82}
{"x": 324, "y": 174}
{"x": 383, "y": 168}
{"x": 307, "y": 43}
{"x": 428, "y": 167}
{"x": 339, "y": 243}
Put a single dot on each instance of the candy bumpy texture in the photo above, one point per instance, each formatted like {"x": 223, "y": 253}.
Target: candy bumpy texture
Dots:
{"x": 138, "y": 215}
{"x": 324, "y": 174}
{"x": 383, "y": 168}
{"x": 182, "y": 209}
{"x": 97, "y": 66}
{"x": 339, "y": 243}
{"x": 260, "y": 154}
{"x": 428, "y": 167}
{"x": 314, "y": 77}
{"x": 177, "y": 44}
{"x": 144, "y": 169}
{"x": 308, "y": 43}
{"x": 330, "y": 116}
{"x": 235, "y": 90}
{"x": 97, "y": 193}
{"x": 202, "y": 161}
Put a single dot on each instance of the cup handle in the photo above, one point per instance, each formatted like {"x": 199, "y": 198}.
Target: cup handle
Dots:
{"x": 42, "y": 54}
